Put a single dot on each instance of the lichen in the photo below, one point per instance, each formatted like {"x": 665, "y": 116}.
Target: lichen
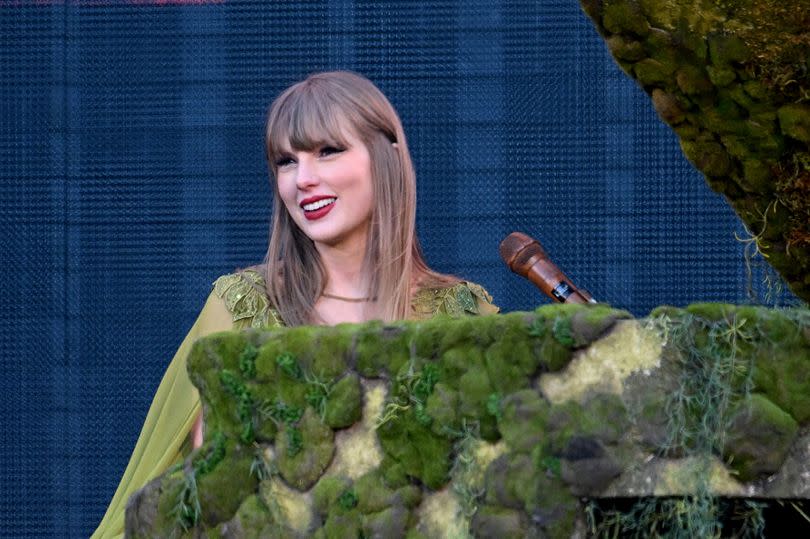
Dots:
{"x": 605, "y": 364}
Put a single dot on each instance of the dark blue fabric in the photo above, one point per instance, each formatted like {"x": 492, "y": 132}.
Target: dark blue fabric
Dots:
{"x": 132, "y": 175}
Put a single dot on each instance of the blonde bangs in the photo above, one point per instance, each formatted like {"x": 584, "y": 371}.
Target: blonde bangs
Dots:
{"x": 304, "y": 120}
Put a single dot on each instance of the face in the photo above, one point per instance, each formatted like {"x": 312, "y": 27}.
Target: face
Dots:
{"x": 328, "y": 192}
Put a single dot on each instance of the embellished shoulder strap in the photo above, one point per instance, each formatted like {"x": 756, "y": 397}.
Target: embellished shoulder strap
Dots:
{"x": 246, "y": 299}
{"x": 464, "y": 298}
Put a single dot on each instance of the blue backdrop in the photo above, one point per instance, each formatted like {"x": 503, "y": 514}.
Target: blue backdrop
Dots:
{"x": 132, "y": 175}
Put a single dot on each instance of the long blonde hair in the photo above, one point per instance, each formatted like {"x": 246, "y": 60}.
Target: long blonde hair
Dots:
{"x": 306, "y": 116}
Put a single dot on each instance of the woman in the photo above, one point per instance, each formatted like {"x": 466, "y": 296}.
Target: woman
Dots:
{"x": 342, "y": 248}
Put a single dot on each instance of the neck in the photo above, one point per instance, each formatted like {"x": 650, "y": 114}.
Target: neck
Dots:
{"x": 345, "y": 275}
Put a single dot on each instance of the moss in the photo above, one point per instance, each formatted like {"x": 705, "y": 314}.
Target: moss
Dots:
{"x": 605, "y": 418}
{"x": 394, "y": 473}
{"x": 474, "y": 388}
{"x": 409, "y": 495}
{"x": 425, "y": 341}
{"x": 721, "y": 76}
{"x": 210, "y": 455}
{"x": 626, "y": 49}
{"x": 777, "y": 327}
{"x": 737, "y": 93}
{"x": 345, "y": 402}
{"x": 524, "y": 420}
{"x": 390, "y": 522}
{"x": 755, "y": 89}
{"x": 794, "y": 120}
{"x": 369, "y": 343}
{"x": 759, "y": 438}
{"x": 222, "y": 490}
{"x": 509, "y": 365}
{"x": 289, "y": 366}
{"x": 348, "y": 500}
{"x": 292, "y": 392}
{"x": 620, "y": 15}
{"x": 651, "y": 72}
{"x": 456, "y": 361}
{"x": 553, "y": 310}
{"x": 687, "y": 131}
{"x": 508, "y": 478}
{"x": 422, "y": 454}
{"x": 710, "y": 157}
{"x": 555, "y": 355}
{"x": 329, "y": 351}
{"x": 782, "y": 376}
{"x": 326, "y": 492}
{"x": 757, "y": 175}
{"x": 244, "y": 403}
{"x": 660, "y": 45}
{"x": 357, "y": 448}
{"x": 465, "y": 332}
{"x": 289, "y": 507}
{"x": 442, "y": 406}
{"x": 736, "y": 146}
{"x": 712, "y": 311}
{"x": 551, "y": 505}
{"x": 725, "y": 49}
{"x": 343, "y": 525}
{"x": 494, "y": 521}
{"x": 373, "y": 494}
{"x": 251, "y": 521}
{"x": 561, "y": 331}
{"x": 593, "y": 321}
{"x": 414, "y": 533}
{"x": 247, "y": 361}
{"x": 301, "y": 469}
{"x": 265, "y": 360}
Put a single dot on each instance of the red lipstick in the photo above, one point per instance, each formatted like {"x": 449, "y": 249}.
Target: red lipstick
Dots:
{"x": 319, "y": 212}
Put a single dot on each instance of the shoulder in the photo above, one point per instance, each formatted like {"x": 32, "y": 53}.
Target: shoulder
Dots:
{"x": 244, "y": 295}
{"x": 460, "y": 299}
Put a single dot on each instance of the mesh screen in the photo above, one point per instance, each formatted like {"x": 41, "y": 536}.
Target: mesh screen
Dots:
{"x": 133, "y": 175}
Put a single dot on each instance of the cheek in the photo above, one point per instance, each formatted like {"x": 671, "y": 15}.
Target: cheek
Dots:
{"x": 286, "y": 190}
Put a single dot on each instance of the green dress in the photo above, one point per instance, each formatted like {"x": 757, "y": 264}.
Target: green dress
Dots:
{"x": 237, "y": 301}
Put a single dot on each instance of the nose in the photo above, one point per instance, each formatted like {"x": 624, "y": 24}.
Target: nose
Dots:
{"x": 306, "y": 173}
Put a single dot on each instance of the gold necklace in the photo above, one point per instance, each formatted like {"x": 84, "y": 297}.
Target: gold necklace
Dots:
{"x": 344, "y": 298}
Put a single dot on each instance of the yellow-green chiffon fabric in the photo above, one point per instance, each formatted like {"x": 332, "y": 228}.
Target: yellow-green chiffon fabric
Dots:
{"x": 237, "y": 301}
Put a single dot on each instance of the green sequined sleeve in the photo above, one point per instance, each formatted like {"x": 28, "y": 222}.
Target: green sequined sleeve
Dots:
{"x": 245, "y": 297}
{"x": 463, "y": 299}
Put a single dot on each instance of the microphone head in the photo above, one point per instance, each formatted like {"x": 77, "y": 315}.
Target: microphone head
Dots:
{"x": 512, "y": 246}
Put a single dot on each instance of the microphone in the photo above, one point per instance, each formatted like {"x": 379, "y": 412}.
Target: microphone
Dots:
{"x": 526, "y": 257}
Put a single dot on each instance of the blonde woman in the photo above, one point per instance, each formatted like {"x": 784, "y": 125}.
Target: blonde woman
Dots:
{"x": 343, "y": 248}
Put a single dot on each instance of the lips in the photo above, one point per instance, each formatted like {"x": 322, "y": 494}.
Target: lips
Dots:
{"x": 317, "y": 206}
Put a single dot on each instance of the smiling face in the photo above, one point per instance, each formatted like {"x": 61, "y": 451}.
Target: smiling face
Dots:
{"x": 328, "y": 191}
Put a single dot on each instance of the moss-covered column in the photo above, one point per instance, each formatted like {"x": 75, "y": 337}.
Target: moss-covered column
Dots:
{"x": 732, "y": 79}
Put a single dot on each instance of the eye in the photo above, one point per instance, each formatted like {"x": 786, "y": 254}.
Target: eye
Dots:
{"x": 283, "y": 161}
{"x": 330, "y": 150}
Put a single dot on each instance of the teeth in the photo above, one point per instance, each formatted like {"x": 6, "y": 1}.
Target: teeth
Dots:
{"x": 318, "y": 205}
